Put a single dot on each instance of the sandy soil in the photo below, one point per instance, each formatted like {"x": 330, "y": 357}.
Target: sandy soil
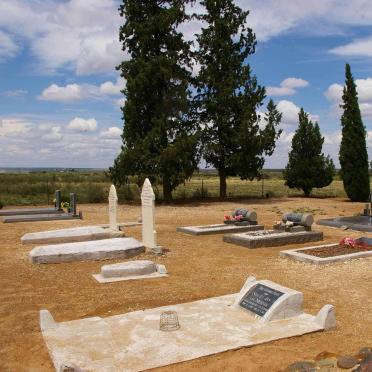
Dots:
{"x": 199, "y": 267}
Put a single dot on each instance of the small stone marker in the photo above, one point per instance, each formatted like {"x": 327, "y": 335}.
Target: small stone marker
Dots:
{"x": 148, "y": 218}
{"x": 113, "y": 206}
{"x": 58, "y": 200}
{"x": 73, "y": 202}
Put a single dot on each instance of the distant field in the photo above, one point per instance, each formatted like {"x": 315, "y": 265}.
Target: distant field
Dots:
{"x": 92, "y": 187}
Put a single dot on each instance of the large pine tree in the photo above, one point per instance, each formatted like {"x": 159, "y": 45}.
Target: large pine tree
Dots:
{"x": 228, "y": 94}
{"x": 159, "y": 138}
{"x": 307, "y": 166}
{"x": 353, "y": 150}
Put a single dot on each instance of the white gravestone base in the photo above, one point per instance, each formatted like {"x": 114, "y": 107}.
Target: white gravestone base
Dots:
{"x": 134, "y": 342}
{"x": 132, "y": 270}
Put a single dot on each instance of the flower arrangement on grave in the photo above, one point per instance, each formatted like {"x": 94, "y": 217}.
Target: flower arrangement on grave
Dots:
{"x": 351, "y": 243}
{"x": 238, "y": 216}
{"x": 65, "y": 205}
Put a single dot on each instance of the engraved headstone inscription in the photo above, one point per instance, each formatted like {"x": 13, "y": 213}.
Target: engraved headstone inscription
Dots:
{"x": 113, "y": 205}
{"x": 259, "y": 299}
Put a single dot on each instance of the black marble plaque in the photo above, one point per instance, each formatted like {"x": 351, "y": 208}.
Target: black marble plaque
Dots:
{"x": 259, "y": 299}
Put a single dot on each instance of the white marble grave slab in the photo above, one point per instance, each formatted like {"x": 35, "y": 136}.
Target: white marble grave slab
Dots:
{"x": 219, "y": 228}
{"x": 76, "y": 234}
{"x": 134, "y": 342}
{"x": 87, "y": 251}
{"x": 132, "y": 270}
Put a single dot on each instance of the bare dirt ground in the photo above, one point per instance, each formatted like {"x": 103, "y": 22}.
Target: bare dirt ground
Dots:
{"x": 199, "y": 267}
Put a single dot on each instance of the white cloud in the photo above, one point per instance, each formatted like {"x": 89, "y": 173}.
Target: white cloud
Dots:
{"x": 83, "y": 125}
{"x": 69, "y": 93}
{"x": 13, "y": 127}
{"x": 50, "y": 133}
{"x": 82, "y": 35}
{"x": 357, "y": 48}
{"x": 287, "y": 87}
{"x": 15, "y": 93}
{"x": 26, "y": 142}
{"x": 364, "y": 89}
{"x": 110, "y": 88}
{"x": 77, "y": 92}
{"x": 111, "y": 133}
{"x": 8, "y": 47}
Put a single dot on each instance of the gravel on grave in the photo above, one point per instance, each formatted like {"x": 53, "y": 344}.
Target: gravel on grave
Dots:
{"x": 334, "y": 251}
{"x": 199, "y": 268}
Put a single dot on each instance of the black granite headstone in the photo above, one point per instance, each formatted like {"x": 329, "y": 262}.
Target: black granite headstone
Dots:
{"x": 259, "y": 299}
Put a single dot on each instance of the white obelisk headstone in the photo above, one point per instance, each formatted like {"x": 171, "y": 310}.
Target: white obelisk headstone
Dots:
{"x": 113, "y": 206}
{"x": 148, "y": 217}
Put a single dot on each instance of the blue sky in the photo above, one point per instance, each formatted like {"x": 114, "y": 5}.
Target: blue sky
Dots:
{"x": 60, "y": 94}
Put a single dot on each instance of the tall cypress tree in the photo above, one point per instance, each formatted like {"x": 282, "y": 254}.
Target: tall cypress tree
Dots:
{"x": 307, "y": 166}
{"x": 159, "y": 138}
{"x": 255, "y": 139}
{"x": 228, "y": 94}
{"x": 353, "y": 150}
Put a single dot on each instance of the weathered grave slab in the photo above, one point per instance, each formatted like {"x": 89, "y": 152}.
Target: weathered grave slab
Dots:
{"x": 271, "y": 238}
{"x": 87, "y": 251}
{"x": 41, "y": 217}
{"x": 133, "y": 341}
{"x": 218, "y": 229}
{"x": 301, "y": 255}
{"x": 29, "y": 211}
{"x": 132, "y": 270}
{"x": 358, "y": 223}
{"x": 76, "y": 234}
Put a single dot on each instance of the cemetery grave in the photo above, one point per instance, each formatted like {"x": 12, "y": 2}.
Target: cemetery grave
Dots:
{"x": 79, "y": 234}
{"x": 132, "y": 270}
{"x": 346, "y": 249}
{"x": 32, "y": 211}
{"x": 103, "y": 249}
{"x": 360, "y": 222}
{"x": 263, "y": 311}
{"x": 294, "y": 228}
{"x": 49, "y": 216}
{"x": 106, "y": 248}
{"x": 241, "y": 220}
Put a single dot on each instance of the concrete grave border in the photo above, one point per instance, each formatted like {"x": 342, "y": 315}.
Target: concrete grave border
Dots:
{"x": 274, "y": 239}
{"x": 297, "y": 255}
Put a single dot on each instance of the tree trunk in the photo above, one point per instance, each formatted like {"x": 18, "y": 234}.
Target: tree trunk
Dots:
{"x": 223, "y": 186}
{"x": 167, "y": 190}
{"x": 307, "y": 192}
